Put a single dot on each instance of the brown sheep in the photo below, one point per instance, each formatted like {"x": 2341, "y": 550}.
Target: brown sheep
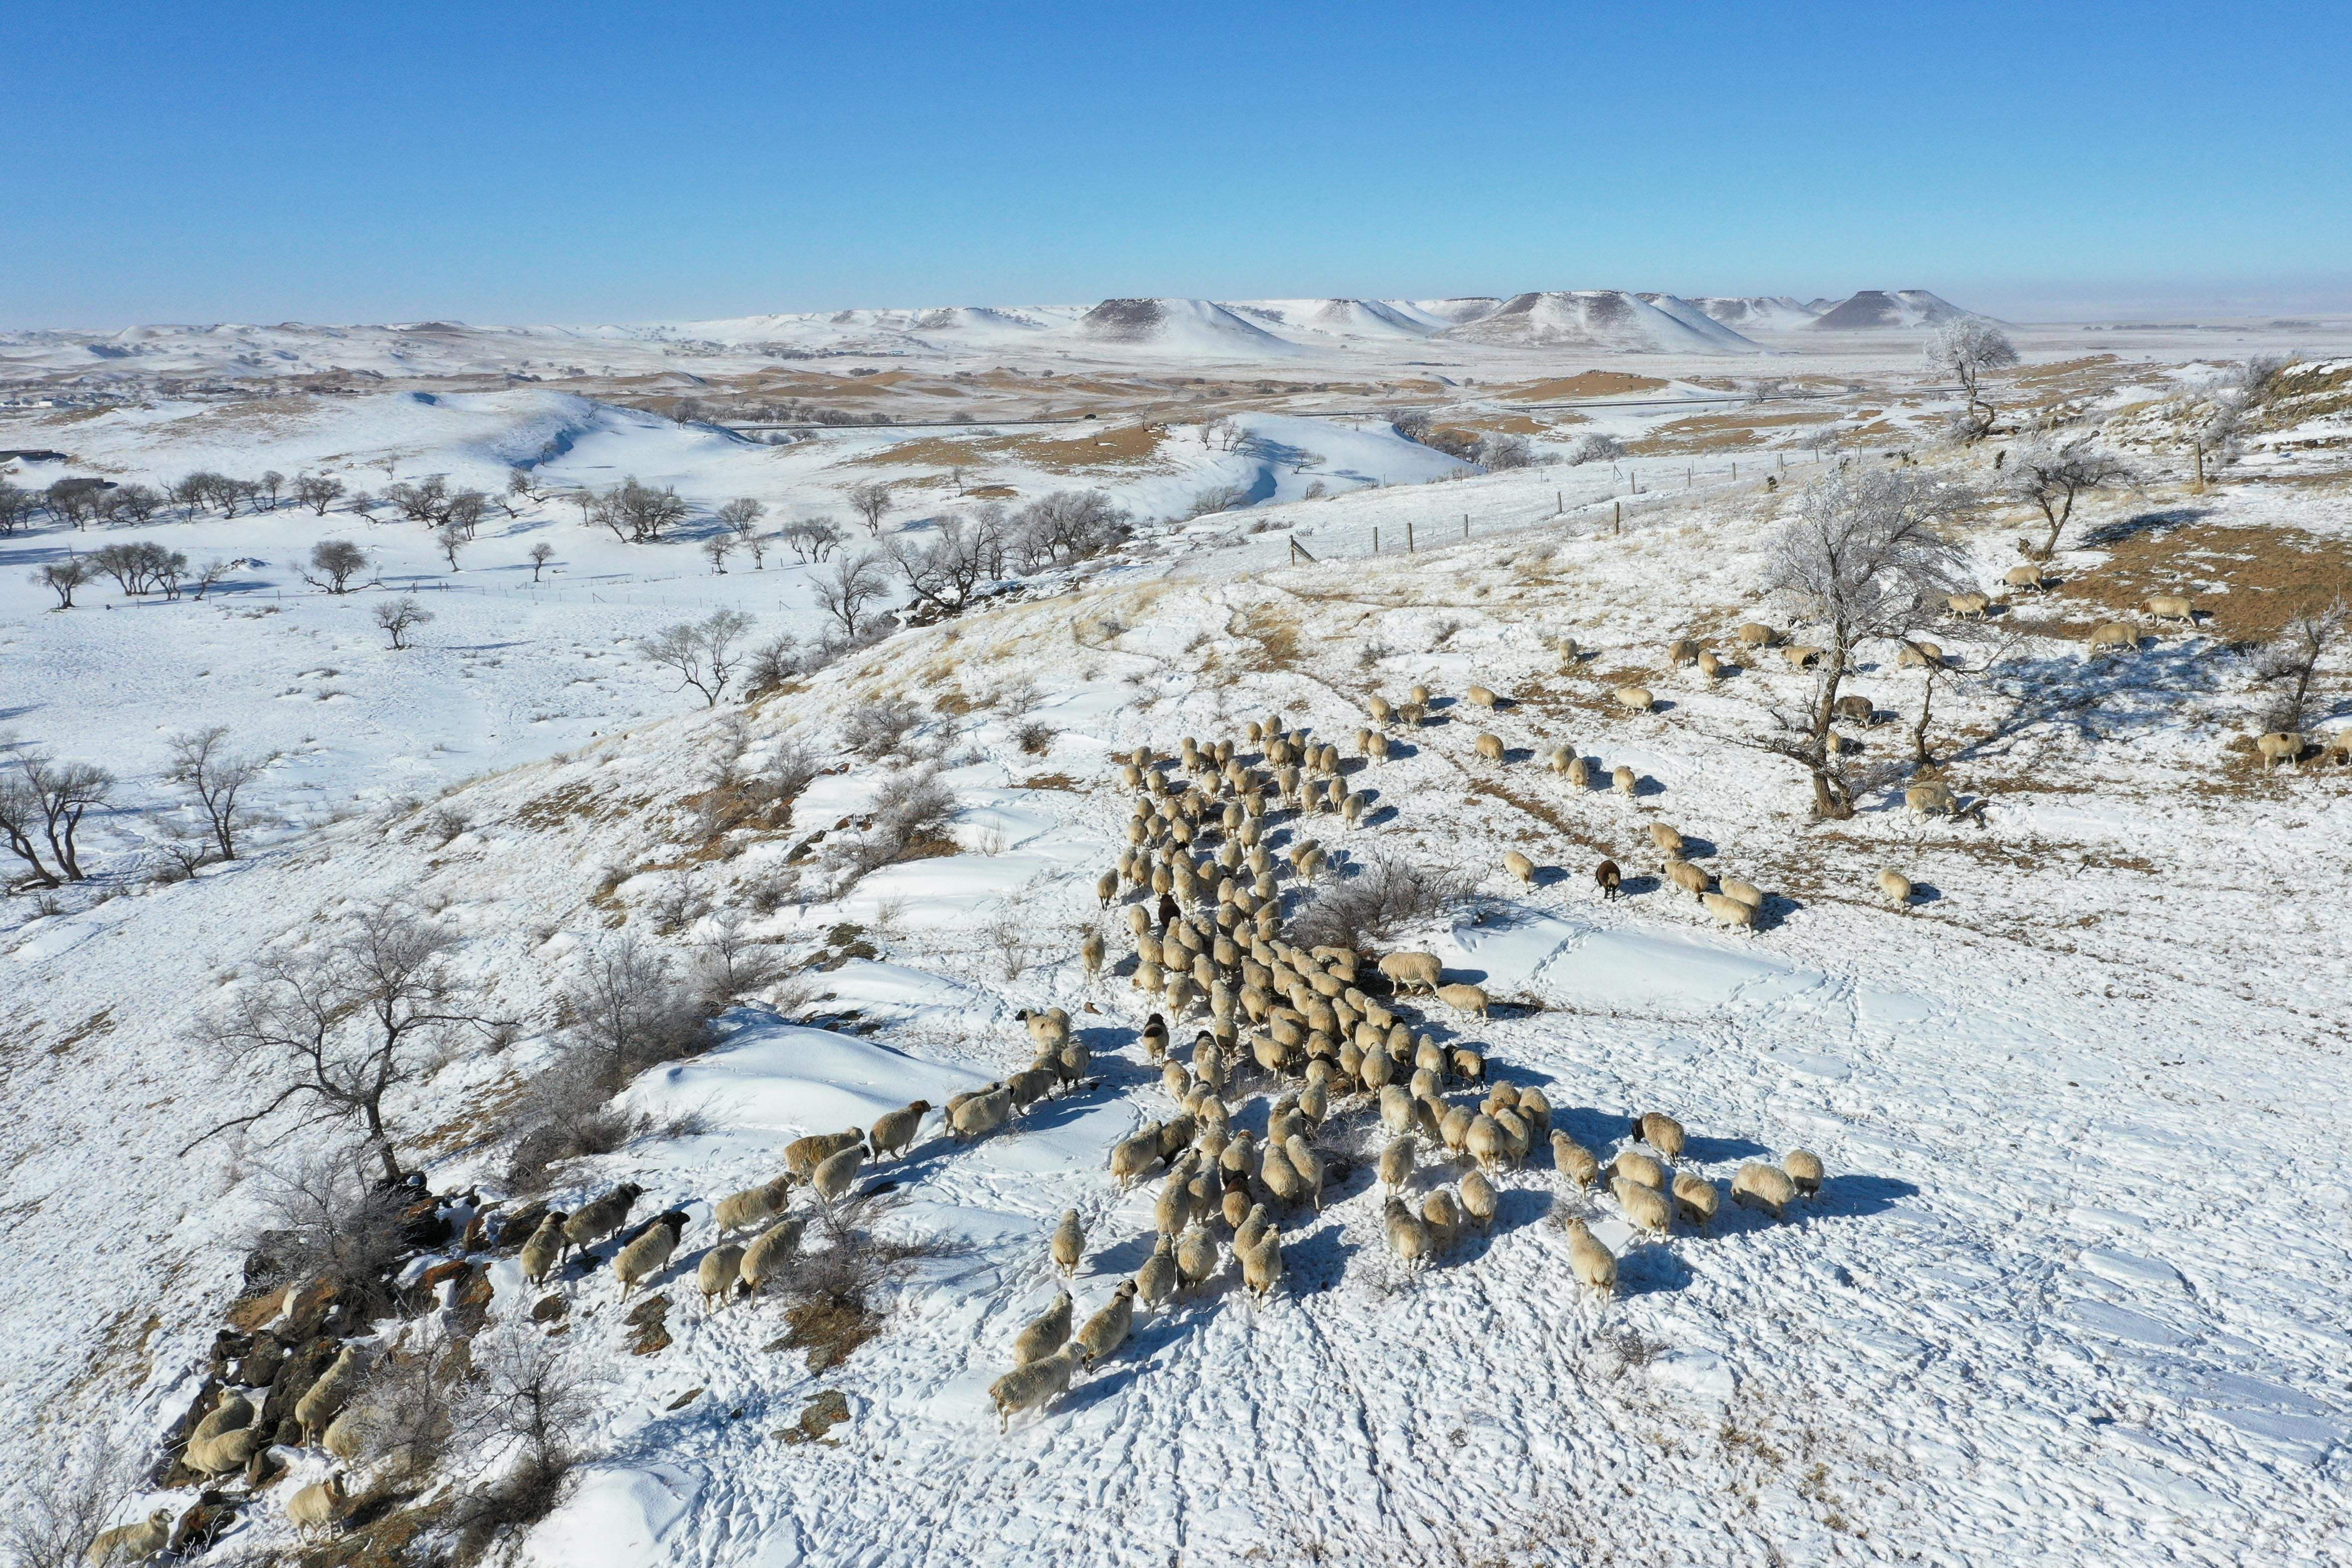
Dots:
{"x": 1609, "y": 877}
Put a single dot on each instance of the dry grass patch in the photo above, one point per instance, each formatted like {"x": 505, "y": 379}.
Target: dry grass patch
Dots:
{"x": 2274, "y": 573}
{"x": 1587, "y": 384}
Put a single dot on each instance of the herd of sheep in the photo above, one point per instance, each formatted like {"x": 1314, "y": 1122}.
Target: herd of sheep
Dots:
{"x": 1297, "y": 1027}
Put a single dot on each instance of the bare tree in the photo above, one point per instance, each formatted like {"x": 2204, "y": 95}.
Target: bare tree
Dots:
{"x": 870, "y": 500}
{"x": 426, "y": 502}
{"x": 812, "y": 537}
{"x": 540, "y": 554}
{"x": 517, "y": 491}
{"x": 704, "y": 653}
{"x": 331, "y": 1033}
{"x": 740, "y": 517}
{"x": 945, "y": 571}
{"x": 630, "y": 1011}
{"x": 317, "y": 492}
{"x": 271, "y": 481}
{"x": 465, "y": 514}
{"x": 636, "y": 513}
{"x": 75, "y": 500}
{"x": 189, "y": 495}
{"x": 2291, "y": 664}
{"x": 717, "y": 548}
{"x": 329, "y": 1219}
{"x": 133, "y": 503}
{"x": 16, "y": 507}
{"x": 855, "y": 583}
{"x": 335, "y": 562}
{"x": 62, "y": 577}
{"x": 1862, "y": 557}
{"x": 40, "y": 795}
{"x": 58, "y": 1509}
{"x": 202, "y": 765}
{"x": 400, "y": 616}
{"x": 449, "y": 539}
{"x": 2051, "y": 478}
{"x": 210, "y": 576}
{"x": 1964, "y": 348}
{"x": 525, "y": 1408}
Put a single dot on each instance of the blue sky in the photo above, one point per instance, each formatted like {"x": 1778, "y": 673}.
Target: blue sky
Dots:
{"x": 525, "y": 163}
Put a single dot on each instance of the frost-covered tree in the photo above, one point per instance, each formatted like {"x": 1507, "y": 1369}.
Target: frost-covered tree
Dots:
{"x": 717, "y": 548}
{"x": 2290, "y": 663}
{"x": 2051, "y": 478}
{"x": 1593, "y": 446}
{"x": 317, "y": 492}
{"x": 1964, "y": 348}
{"x": 16, "y": 507}
{"x": 1863, "y": 557}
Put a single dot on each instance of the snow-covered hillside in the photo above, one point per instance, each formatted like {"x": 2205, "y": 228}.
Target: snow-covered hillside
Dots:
{"x": 2070, "y": 1286}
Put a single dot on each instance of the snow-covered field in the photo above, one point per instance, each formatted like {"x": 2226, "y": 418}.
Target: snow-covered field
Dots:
{"x": 2074, "y": 1284}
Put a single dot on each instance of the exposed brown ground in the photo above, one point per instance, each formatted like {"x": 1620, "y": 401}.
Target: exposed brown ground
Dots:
{"x": 1586, "y": 383}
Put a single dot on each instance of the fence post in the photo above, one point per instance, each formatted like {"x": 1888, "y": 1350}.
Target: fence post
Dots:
{"x": 1465, "y": 527}
{"x": 1408, "y": 538}
{"x": 1621, "y": 515}
{"x": 1376, "y": 539}
{"x": 1559, "y": 503}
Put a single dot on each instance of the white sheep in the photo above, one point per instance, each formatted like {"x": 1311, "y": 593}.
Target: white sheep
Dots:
{"x": 769, "y": 1254}
{"x": 1696, "y": 1199}
{"x": 1574, "y": 1161}
{"x": 1626, "y": 782}
{"x": 1756, "y": 634}
{"x": 131, "y": 1542}
{"x": 1645, "y": 1207}
{"x": 2027, "y": 578}
{"x": 1408, "y": 1237}
{"x": 650, "y": 1253}
{"x": 718, "y": 1274}
{"x": 1479, "y": 696}
{"x": 1917, "y": 653}
{"x": 318, "y": 1506}
{"x": 327, "y": 1396}
{"x": 802, "y": 1155}
{"x": 1682, "y": 650}
{"x": 833, "y": 1178}
{"x": 544, "y": 1246}
{"x": 1633, "y": 1165}
{"x": 1483, "y": 1142}
{"x": 1726, "y": 911}
{"x": 1196, "y": 1257}
{"x": 894, "y": 1131}
{"x": 1633, "y": 698}
{"x": 1760, "y": 1185}
{"x": 1712, "y": 666}
{"x": 1032, "y": 1386}
{"x": 1262, "y": 1264}
{"x": 1396, "y": 1163}
{"x": 1479, "y": 1199}
{"x": 2278, "y": 746}
{"x": 1923, "y": 800}
{"x": 1489, "y": 747}
{"x": 1969, "y": 606}
{"x": 1465, "y": 998}
{"x": 754, "y": 1207}
{"x": 1156, "y": 1281}
{"x": 1594, "y": 1265}
{"x": 1520, "y": 866}
{"x": 1804, "y": 1171}
{"x": 1747, "y": 892}
{"x": 1661, "y": 1133}
{"x": 1043, "y": 1334}
{"x": 2111, "y": 634}
{"x": 1411, "y": 972}
{"x": 1894, "y": 885}
{"x": 600, "y": 1217}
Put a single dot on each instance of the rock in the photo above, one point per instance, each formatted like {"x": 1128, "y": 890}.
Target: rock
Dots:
{"x": 549, "y": 1308}
{"x": 822, "y": 1414}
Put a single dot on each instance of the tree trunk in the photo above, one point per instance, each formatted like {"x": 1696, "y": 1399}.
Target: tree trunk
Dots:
{"x": 1829, "y": 799}
{"x": 1919, "y": 731}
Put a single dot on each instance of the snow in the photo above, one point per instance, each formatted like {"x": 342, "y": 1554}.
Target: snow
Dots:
{"x": 2073, "y": 1286}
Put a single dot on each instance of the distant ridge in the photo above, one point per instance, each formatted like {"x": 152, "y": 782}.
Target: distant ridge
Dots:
{"x": 1882, "y": 310}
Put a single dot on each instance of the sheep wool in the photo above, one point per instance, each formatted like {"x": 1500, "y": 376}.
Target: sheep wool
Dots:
{"x": 1043, "y": 1334}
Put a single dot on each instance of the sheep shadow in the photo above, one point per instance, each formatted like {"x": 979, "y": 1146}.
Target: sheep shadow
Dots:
{"x": 1400, "y": 751}
{"x": 1518, "y": 754}
{"x": 1317, "y": 1261}
{"x": 1697, "y": 848}
{"x": 1645, "y": 786}
{"x": 1714, "y": 1151}
{"x": 1651, "y": 1270}
{"x": 1925, "y": 893}
{"x": 1633, "y": 886}
{"x": 1379, "y": 816}
{"x": 1853, "y": 1195}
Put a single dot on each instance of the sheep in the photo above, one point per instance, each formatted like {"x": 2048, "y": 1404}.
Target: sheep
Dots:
{"x": 1625, "y": 781}
{"x": 1574, "y": 1161}
{"x": 1558, "y": 758}
{"x": 1748, "y": 893}
{"x": 1028, "y": 1387}
{"x": 1594, "y": 1265}
{"x": 1489, "y": 747}
{"x": 1690, "y": 878}
{"x": 1173, "y": 1208}
{"x": 1479, "y": 696}
{"x": 1696, "y": 1199}
{"x": 318, "y": 1506}
{"x": 976, "y": 1117}
{"x": 1468, "y": 1065}
{"x": 1760, "y": 1185}
{"x": 1636, "y": 1166}
{"x": 1396, "y": 1109}
{"x": 1471, "y": 999}
{"x": 754, "y": 1207}
{"x": 1107, "y": 1330}
{"x": 1069, "y": 1243}
{"x": 1924, "y": 800}
{"x": 1800, "y": 657}
{"x": 1396, "y": 1163}
{"x": 233, "y": 1412}
{"x": 1970, "y": 606}
{"x": 1441, "y": 1218}
{"x": 1478, "y": 1198}
{"x": 1711, "y": 667}
{"x": 768, "y": 1256}
{"x": 1408, "y": 1237}
{"x": 1514, "y": 1132}
{"x": 593, "y": 1221}
{"x": 1661, "y": 1133}
{"x": 1608, "y": 877}
{"x": 1645, "y": 1207}
{"x": 647, "y": 1256}
{"x": 1726, "y": 911}
{"x": 2027, "y": 578}
{"x": 1535, "y": 1109}
{"x": 1633, "y": 699}
{"x": 2278, "y": 746}
{"x": 1156, "y": 1281}
{"x": 1803, "y": 1168}
{"x": 1240, "y": 1156}
{"x": 2338, "y": 746}
{"x": 1568, "y": 650}
{"x": 1483, "y": 1142}
{"x": 833, "y": 1179}
{"x": 721, "y": 1268}
{"x": 1666, "y": 838}
{"x": 1856, "y": 709}
{"x": 894, "y": 1130}
{"x": 1090, "y": 952}
{"x": 1756, "y": 634}
{"x": 1309, "y": 1167}
{"x": 802, "y": 1155}
{"x": 326, "y": 1397}
{"x": 131, "y": 1542}
{"x": 1682, "y": 650}
{"x": 231, "y": 1450}
{"x": 1262, "y": 1264}
{"x": 1894, "y": 885}
{"x": 2111, "y": 634}
{"x": 1520, "y": 866}
{"x": 1409, "y": 972}
{"x": 1196, "y": 1257}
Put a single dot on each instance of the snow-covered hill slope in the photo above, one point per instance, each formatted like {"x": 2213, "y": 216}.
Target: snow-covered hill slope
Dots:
{"x": 1880, "y": 309}
{"x": 1754, "y": 313}
{"x": 2068, "y": 1287}
{"x": 1608, "y": 319}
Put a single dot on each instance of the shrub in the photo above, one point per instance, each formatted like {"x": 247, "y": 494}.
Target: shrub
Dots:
{"x": 1379, "y": 899}
{"x": 880, "y": 729}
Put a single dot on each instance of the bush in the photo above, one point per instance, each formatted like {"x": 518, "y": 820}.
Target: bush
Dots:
{"x": 1035, "y": 738}
{"x": 880, "y": 729}
{"x": 328, "y": 1219}
{"x": 1381, "y": 897}
{"x": 1216, "y": 499}
{"x": 1595, "y": 447}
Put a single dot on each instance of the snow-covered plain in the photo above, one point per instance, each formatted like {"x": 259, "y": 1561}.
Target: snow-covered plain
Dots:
{"x": 2074, "y": 1285}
